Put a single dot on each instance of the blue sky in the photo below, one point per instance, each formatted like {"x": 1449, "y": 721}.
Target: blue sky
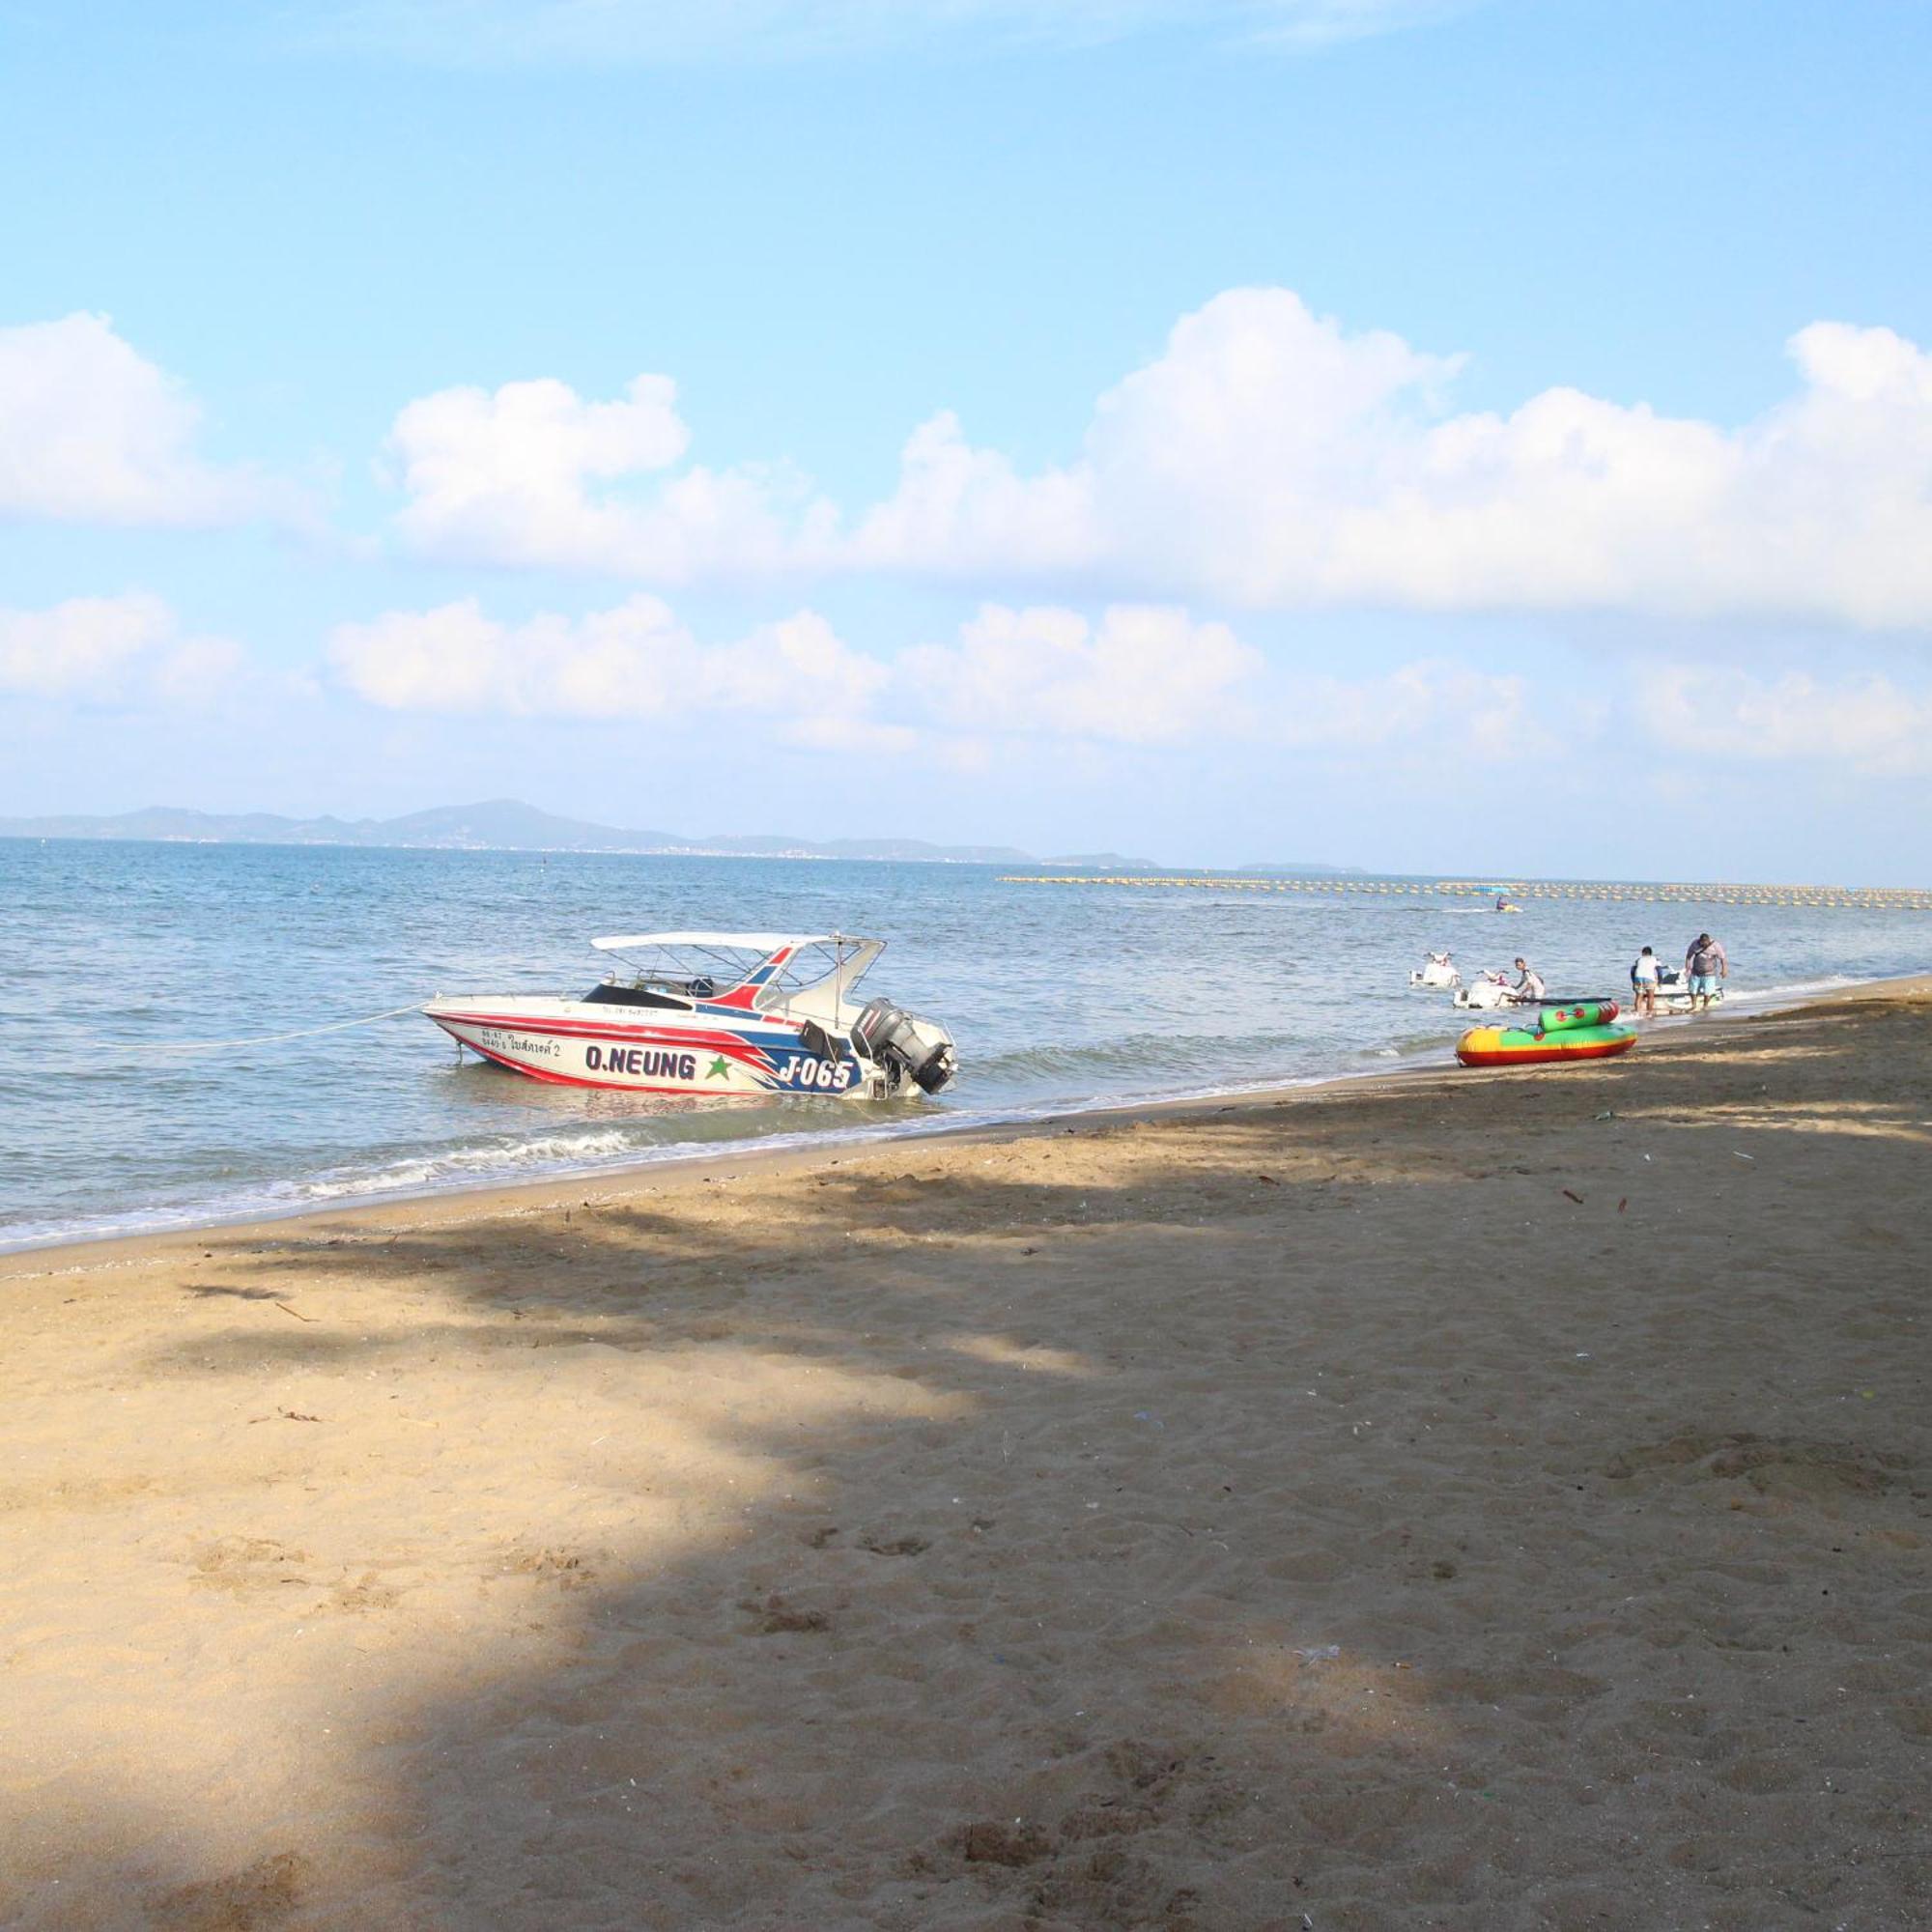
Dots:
{"x": 1441, "y": 437}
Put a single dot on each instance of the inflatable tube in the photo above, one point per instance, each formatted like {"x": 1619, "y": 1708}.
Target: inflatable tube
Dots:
{"x": 1575, "y": 1013}
{"x": 1520, "y": 1046}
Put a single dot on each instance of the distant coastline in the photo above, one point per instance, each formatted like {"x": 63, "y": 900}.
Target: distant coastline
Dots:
{"x": 508, "y": 825}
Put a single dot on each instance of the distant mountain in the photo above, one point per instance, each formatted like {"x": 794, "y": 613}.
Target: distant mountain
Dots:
{"x": 505, "y": 825}
{"x": 498, "y": 825}
{"x": 1104, "y": 862}
{"x": 508, "y": 825}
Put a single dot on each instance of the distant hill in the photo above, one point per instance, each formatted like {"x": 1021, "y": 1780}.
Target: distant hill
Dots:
{"x": 498, "y": 825}
{"x": 1104, "y": 862}
{"x": 508, "y": 825}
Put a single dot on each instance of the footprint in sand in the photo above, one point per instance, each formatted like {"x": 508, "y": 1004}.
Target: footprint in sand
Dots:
{"x": 1795, "y": 1467}
{"x": 249, "y": 1900}
{"x": 1088, "y": 1866}
{"x": 367, "y": 1593}
{"x": 243, "y": 1565}
{"x": 565, "y": 1569}
{"x": 779, "y": 1616}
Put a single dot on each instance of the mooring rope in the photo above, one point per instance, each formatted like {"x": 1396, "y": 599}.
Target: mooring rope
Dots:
{"x": 253, "y": 1040}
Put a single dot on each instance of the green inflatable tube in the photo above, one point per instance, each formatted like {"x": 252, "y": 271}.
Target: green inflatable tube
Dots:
{"x": 1561, "y": 1018}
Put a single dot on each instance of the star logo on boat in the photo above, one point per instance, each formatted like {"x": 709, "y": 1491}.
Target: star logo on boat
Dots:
{"x": 719, "y": 1069}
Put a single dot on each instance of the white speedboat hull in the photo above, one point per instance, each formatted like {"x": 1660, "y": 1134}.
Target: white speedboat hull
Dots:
{"x": 571, "y": 1044}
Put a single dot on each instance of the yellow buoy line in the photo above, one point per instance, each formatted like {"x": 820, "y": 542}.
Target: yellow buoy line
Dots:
{"x": 1858, "y": 899}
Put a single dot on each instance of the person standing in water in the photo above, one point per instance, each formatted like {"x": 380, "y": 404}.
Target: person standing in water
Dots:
{"x": 1646, "y": 969}
{"x": 1705, "y": 963}
{"x": 1529, "y": 987}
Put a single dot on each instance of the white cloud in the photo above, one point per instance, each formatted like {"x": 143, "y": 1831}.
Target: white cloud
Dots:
{"x": 1868, "y": 723}
{"x": 1215, "y": 467}
{"x": 111, "y": 649}
{"x": 965, "y": 512}
{"x": 1137, "y": 676}
{"x": 634, "y": 661}
{"x": 1268, "y": 457}
{"x": 519, "y": 476}
{"x": 1141, "y": 675}
{"x": 92, "y": 432}
{"x": 1456, "y": 710}
{"x": 505, "y": 475}
{"x": 1144, "y": 674}
{"x": 496, "y": 32}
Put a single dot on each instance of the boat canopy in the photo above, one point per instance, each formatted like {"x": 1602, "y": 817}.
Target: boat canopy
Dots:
{"x": 769, "y": 970}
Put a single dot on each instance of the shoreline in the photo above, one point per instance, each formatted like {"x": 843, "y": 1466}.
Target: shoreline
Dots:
{"x": 1443, "y": 1499}
{"x": 409, "y": 1211}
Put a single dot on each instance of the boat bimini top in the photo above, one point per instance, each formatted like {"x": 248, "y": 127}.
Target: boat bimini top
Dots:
{"x": 751, "y": 971}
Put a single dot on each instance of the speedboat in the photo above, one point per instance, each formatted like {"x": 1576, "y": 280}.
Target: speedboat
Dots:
{"x": 719, "y": 1013}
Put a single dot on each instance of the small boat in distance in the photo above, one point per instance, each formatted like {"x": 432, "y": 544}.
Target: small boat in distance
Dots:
{"x": 724, "y": 1013}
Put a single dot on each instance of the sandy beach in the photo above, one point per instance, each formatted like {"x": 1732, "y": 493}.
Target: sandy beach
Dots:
{"x": 1470, "y": 1501}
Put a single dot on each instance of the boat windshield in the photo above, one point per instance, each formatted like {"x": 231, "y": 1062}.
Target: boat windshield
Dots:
{"x": 759, "y": 975}
{"x": 817, "y": 962}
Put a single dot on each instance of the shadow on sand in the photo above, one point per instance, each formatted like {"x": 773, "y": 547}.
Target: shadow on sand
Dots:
{"x": 1192, "y": 1524}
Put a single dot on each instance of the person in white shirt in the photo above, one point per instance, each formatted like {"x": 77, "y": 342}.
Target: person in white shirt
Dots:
{"x": 1645, "y": 970}
{"x": 1529, "y": 989}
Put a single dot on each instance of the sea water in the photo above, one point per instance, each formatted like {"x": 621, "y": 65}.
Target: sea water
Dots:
{"x": 1059, "y": 996}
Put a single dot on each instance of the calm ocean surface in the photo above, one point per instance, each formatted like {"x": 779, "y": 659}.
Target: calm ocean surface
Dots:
{"x": 1057, "y": 995}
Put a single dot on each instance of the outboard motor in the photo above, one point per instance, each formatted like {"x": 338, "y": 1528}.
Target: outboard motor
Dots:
{"x": 907, "y": 1046}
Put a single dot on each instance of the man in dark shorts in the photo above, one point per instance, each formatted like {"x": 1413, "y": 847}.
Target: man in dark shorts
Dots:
{"x": 1704, "y": 964}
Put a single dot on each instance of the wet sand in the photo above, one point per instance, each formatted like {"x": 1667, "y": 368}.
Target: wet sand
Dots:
{"x": 1474, "y": 1500}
